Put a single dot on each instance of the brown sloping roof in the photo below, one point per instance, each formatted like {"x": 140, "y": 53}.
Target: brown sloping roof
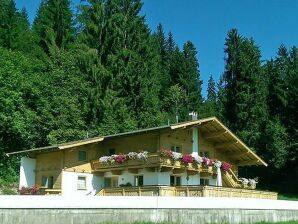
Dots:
{"x": 211, "y": 128}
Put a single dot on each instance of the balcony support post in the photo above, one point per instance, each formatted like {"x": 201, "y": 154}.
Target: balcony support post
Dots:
{"x": 195, "y": 141}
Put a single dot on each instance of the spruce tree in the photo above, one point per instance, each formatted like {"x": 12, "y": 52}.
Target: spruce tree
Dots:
{"x": 245, "y": 104}
{"x": 211, "y": 90}
{"x": 53, "y": 26}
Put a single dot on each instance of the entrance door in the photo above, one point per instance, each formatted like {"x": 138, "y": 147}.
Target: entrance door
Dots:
{"x": 111, "y": 182}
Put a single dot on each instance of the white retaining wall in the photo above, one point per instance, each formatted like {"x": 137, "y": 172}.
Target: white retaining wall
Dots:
{"x": 121, "y": 209}
{"x": 27, "y": 172}
{"x": 143, "y": 202}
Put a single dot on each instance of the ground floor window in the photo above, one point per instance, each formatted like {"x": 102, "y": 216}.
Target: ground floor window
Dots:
{"x": 81, "y": 185}
{"x": 47, "y": 181}
{"x": 175, "y": 180}
{"x": 111, "y": 182}
{"x": 204, "y": 182}
{"x": 139, "y": 180}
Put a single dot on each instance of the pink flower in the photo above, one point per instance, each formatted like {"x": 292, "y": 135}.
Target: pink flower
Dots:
{"x": 207, "y": 162}
{"x": 226, "y": 166}
{"x": 187, "y": 158}
{"x": 121, "y": 158}
{"x": 166, "y": 153}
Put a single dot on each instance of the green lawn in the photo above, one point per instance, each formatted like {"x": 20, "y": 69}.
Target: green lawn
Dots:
{"x": 292, "y": 197}
{"x": 289, "y": 222}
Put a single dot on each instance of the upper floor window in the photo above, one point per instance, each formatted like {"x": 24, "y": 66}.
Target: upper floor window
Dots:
{"x": 82, "y": 155}
{"x": 204, "y": 154}
{"x": 112, "y": 152}
{"x": 176, "y": 148}
{"x": 139, "y": 180}
{"x": 175, "y": 180}
{"x": 47, "y": 182}
{"x": 81, "y": 185}
{"x": 204, "y": 182}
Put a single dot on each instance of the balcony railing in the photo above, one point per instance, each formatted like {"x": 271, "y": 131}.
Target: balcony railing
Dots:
{"x": 186, "y": 191}
{"x": 155, "y": 160}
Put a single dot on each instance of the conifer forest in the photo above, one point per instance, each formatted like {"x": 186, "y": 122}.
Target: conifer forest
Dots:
{"x": 100, "y": 70}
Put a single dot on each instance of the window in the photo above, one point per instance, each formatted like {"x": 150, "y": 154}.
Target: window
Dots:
{"x": 81, "y": 183}
{"x": 204, "y": 154}
{"x": 175, "y": 181}
{"x": 139, "y": 180}
{"x": 82, "y": 155}
{"x": 111, "y": 182}
{"x": 47, "y": 182}
{"x": 204, "y": 182}
{"x": 176, "y": 148}
{"x": 112, "y": 152}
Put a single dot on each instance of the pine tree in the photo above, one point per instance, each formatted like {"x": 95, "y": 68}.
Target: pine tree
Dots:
{"x": 8, "y": 23}
{"x": 211, "y": 90}
{"x": 53, "y": 25}
{"x": 245, "y": 104}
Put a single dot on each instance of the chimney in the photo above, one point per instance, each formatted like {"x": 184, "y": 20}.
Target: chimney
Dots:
{"x": 193, "y": 116}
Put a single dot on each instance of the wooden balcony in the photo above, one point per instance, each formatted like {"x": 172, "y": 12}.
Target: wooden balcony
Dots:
{"x": 187, "y": 191}
{"x": 154, "y": 161}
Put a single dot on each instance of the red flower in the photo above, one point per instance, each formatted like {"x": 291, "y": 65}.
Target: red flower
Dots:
{"x": 121, "y": 158}
{"x": 187, "y": 158}
{"x": 166, "y": 153}
{"x": 226, "y": 166}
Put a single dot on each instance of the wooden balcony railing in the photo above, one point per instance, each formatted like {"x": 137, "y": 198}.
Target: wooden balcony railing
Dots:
{"x": 186, "y": 191}
{"x": 155, "y": 160}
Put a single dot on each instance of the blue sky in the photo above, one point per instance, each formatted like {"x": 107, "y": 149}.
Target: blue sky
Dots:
{"x": 206, "y": 23}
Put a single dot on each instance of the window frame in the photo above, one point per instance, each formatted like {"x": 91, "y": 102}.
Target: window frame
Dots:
{"x": 176, "y": 177}
{"x": 174, "y": 148}
{"x": 78, "y": 186}
{"x": 79, "y": 155}
{"x": 205, "y": 182}
{"x": 137, "y": 180}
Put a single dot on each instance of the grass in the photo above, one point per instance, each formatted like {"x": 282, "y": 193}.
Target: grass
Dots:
{"x": 292, "y": 197}
{"x": 288, "y": 222}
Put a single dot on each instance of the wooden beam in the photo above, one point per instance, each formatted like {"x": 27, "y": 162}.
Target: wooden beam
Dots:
{"x": 166, "y": 169}
{"x": 192, "y": 172}
{"x": 150, "y": 169}
{"x": 178, "y": 171}
{"x": 132, "y": 170}
{"x": 225, "y": 144}
{"x": 116, "y": 172}
{"x": 236, "y": 155}
{"x": 214, "y": 134}
{"x": 249, "y": 163}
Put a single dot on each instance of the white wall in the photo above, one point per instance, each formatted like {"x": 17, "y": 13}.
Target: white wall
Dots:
{"x": 70, "y": 179}
{"x": 158, "y": 178}
{"x": 27, "y": 172}
{"x": 24, "y": 201}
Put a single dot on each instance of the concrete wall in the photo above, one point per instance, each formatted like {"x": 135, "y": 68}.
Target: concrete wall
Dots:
{"x": 27, "y": 172}
{"x": 186, "y": 210}
{"x": 70, "y": 179}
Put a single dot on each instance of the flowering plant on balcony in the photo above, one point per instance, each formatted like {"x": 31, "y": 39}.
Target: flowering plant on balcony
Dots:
{"x": 226, "y": 166}
{"x": 187, "y": 158}
{"x": 207, "y": 161}
{"x": 121, "y": 158}
{"x": 217, "y": 164}
{"x": 166, "y": 153}
{"x": 104, "y": 159}
{"x": 177, "y": 156}
{"x": 34, "y": 190}
{"x": 142, "y": 155}
{"x": 132, "y": 155}
{"x": 198, "y": 159}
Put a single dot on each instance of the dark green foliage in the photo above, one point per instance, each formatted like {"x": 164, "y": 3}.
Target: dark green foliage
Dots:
{"x": 53, "y": 25}
{"x": 113, "y": 75}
